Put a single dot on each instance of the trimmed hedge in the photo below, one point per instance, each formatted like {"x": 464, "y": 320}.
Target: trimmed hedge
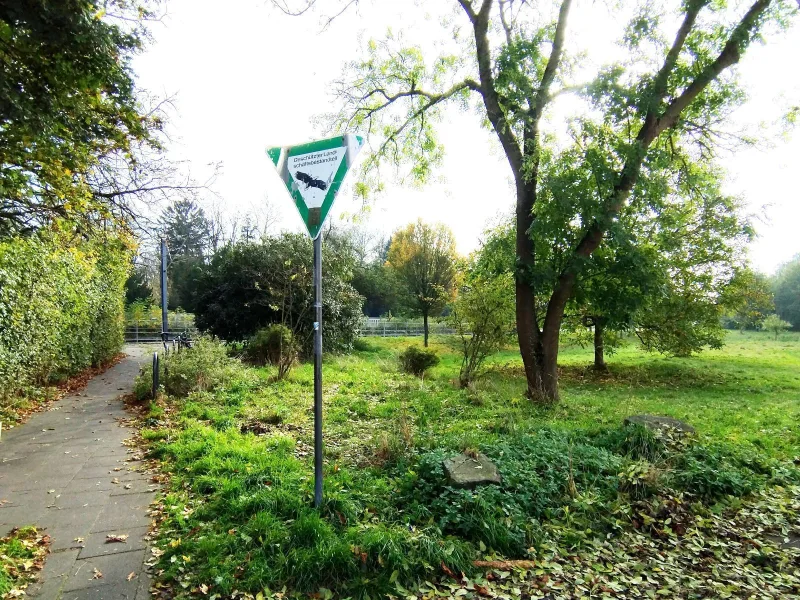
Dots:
{"x": 61, "y": 306}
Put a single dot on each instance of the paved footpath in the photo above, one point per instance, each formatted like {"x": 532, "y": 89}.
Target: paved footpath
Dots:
{"x": 67, "y": 470}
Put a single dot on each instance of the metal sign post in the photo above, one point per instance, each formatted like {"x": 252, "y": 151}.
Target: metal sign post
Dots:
{"x": 317, "y": 371}
{"x": 164, "y": 319}
{"x": 313, "y": 174}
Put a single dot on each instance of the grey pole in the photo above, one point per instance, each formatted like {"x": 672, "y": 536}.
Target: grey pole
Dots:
{"x": 318, "y": 371}
{"x": 164, "y": 321}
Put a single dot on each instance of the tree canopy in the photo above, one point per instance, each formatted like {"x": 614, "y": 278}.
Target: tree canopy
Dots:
{"x": 649, "y": 123}
{"x": 78, "y": 141}
{"x": 787, "y": 292}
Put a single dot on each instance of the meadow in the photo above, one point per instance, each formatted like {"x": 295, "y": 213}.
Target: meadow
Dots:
{"x": 587, "y": 506}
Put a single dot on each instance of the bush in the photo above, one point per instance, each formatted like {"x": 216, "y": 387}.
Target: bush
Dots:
{"x": 203, "y": 367}
{"x": 61, "y": 306}
{"x": 273, "y": 345}
{"x": 248, "y": 286}
{"x": 483, "y": 316}
{"x": 269, "y": 344}
{"x": 417, "y": 360}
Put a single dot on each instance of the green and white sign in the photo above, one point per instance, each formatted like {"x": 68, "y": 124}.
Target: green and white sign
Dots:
{"x": 313, "y": 174}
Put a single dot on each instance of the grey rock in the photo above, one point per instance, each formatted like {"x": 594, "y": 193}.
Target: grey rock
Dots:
{"x": 660, "y": 424}
{"x": 467, "y": 471}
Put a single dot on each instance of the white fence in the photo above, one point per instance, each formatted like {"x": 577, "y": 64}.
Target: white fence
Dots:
{"x": 371, "y": 327}
{"x": 148, "y": 329}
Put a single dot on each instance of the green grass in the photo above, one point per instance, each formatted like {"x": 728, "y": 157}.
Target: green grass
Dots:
{"x": 239, "y": 515}
{"x": 21, "y": 557}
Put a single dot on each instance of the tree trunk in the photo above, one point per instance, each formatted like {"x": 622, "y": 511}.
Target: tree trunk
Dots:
{"x": 539, "y": 350}
{"x": 599, "y": 358}
{"x": 425, "y": 327}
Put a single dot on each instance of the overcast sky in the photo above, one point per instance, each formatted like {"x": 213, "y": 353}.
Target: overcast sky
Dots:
{"x": 245, "y": 77}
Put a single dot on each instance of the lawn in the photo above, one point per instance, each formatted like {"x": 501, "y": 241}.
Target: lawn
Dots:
{"x": 600, "y": 509}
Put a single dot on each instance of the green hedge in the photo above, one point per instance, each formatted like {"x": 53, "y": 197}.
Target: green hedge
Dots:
{"x": 61, "y": 306}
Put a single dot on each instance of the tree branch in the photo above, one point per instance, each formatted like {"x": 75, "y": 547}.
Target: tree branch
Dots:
{"x": 491, "y": 99}
{"x": 542, "y": 94}
{"x": 730, "y": 55}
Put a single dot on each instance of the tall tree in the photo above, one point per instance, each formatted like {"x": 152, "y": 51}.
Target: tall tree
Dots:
{"x": 188, "y": 234}
{"x": 752, "y": 299}
{"x": 78, "y": 141}
{"x": 645, "y": 115}
{"x": 424, "y": 258}
{"x": 787, "y": 292}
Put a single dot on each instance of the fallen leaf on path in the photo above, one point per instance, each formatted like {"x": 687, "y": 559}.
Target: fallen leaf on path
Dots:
{"x": 79, "y": 540}
{"x": 131, "y": 576}
{"x": 97, "y": 574}
{"x": 115, "y": 480}
{"x": 112, "y": 537}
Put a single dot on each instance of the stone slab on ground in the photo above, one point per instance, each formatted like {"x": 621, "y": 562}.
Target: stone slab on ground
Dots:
{"x": 660, "y": 424}
{"x": 469, "y": 471}
{"x": 67, "y": 471}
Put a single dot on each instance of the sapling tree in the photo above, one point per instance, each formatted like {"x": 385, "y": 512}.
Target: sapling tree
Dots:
{"x": 776, "y": 325}
{"x": 483, "y": 317}
{"x": 645, "y": 116}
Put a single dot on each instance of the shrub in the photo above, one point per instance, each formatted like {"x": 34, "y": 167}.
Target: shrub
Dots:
{"x": 203, "y": 367}
{"x": 273, "y": 345}
{"x": 483, "y": 317}
{"x": 61, "y": 305}
{"x": 417, "y": 360}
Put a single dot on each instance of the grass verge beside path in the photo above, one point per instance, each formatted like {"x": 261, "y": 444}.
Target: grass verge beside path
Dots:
{"x": 22, "y": 555}
{"x": 599, "y": 508}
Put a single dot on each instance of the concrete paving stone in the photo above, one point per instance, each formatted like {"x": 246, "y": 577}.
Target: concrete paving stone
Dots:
{"x": 92, "y": 472}
{"x": 32, "y": 485}
{"x": 18, "y": 516}
{"x": 33, "y": 501}
{"x": 141, "y": 500}
{"x": 113, "y": 461}
{"x": 126, "y": 591}
{"x": 77, "y": 486}
{"x": 70, "y": 537}
{"x": 134, "y": 486}
{"x": 115, "y": 570}
{"x": 97, "y": 544}
{"x": 111, "y": 450}
{"x": 57, "y": 569}
{"x": 120, "y": 517}
{"x": 57, "y": 518}
{"x": 46, "y": 590}
{"x": 80, "y": 499}
{"x": 57, "y": 468}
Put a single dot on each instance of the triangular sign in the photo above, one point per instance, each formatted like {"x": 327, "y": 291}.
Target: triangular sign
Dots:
{"x": 313, "y": 174}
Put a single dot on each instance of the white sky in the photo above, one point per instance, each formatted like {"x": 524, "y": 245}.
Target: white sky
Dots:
{"x": 245, "y": 77}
